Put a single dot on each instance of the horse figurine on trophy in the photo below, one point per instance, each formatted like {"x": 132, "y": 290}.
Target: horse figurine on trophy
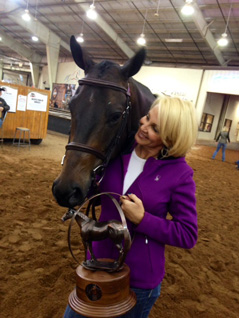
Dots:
{"x": 92, "y": 230}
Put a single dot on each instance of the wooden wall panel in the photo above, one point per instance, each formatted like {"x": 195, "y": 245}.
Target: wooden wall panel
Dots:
{"x": 36, "y": 121}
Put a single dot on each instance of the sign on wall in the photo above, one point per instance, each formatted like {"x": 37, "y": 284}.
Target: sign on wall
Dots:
{"x": 10, "y": 96}
{"x": 226, "y": 82}
{"x": 37, "y": 102}
{"x": 22, "y": 103}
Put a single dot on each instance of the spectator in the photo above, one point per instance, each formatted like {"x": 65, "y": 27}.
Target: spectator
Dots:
{"x": 3, "y": 107}
{"x": 222, "y": 142}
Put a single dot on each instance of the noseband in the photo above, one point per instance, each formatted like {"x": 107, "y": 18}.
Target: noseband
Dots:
{"x": 84, "y": 148}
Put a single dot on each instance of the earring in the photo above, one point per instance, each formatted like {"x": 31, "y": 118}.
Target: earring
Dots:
{"x": 163, "y": 152}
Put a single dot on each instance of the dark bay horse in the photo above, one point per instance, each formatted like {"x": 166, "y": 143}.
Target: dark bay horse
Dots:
{"x": 105, "y": 115}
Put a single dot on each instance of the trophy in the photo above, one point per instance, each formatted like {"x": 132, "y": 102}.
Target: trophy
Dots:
{"x": 102, "y": 285}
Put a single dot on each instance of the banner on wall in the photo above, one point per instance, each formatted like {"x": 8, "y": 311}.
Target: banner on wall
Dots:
{"x": 10, "y": 96}
{"x": 37, "y": 102}
{"x": 61, "y": 95}
{"x": 226, "y": 82}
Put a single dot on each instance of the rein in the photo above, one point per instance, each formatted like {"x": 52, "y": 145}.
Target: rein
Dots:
{"x": 84, "y": 148}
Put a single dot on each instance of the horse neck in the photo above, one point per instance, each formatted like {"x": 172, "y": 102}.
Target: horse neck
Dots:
{"x": 141, "y": 100}
{"x": 82, "y": 217}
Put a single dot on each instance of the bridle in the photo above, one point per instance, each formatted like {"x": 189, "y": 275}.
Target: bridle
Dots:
{"x": 99, "y": 170}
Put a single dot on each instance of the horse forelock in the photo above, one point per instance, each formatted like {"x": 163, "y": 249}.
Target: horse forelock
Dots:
{"x": 106, "y": 70}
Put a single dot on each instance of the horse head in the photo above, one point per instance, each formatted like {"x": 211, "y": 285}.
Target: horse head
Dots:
{"x": 98, "y": 111}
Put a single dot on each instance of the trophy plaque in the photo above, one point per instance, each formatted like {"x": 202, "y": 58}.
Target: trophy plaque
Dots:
{"x": 102, "y": 285}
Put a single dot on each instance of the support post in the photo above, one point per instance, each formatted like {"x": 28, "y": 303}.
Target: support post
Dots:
{"x": 35, "y": 72}
{"x": 1, "y": 68}
{"x": 52, "y": 50}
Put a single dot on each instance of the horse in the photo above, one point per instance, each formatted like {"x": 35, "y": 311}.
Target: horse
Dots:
{"x": 105, "y": 114}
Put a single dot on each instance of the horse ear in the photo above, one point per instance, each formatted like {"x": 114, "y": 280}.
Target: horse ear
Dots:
{"x": 133, "y": 65}
{"x": 80, "y": 56}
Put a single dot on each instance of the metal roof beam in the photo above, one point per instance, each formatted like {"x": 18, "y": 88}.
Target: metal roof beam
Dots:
{"x": 109, "y": 31}
{"x": 21, "y": 49}
{"x": 17, "y": 69}
{"x": 203, "y": 28}
{"x": 38, "y": 29}
{"x": 14, "y": 12}
{"x": 46, "y": 36}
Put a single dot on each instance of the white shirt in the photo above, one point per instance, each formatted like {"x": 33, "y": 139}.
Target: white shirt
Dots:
{"x": 136, "y": 166}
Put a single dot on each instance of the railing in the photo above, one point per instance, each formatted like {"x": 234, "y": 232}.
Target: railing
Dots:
{"x": 61, "y": 113}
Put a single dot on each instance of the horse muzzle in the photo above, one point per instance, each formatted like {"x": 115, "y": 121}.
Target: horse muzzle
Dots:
{"x": 67, "y": 195}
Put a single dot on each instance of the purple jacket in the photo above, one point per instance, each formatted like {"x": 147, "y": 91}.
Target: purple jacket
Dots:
{"x": 163, "y": 186}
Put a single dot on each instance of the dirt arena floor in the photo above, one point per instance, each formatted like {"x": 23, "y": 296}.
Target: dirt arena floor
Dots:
{"x": 37, "y": 272}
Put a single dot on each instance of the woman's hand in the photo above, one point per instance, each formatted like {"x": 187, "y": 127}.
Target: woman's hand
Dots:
{"x": 132, "y": 207}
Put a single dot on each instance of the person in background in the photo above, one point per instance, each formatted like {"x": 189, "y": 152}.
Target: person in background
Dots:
{"x": 222, "y": 142}
{"x": 154, "y": 180}
{"x": 3, "y": 106}
{"x": 237, "y": 164}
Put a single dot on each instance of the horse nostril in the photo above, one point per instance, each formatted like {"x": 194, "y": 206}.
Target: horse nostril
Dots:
{"x": 67, "y": 196}
{"x": 76, "y": 197}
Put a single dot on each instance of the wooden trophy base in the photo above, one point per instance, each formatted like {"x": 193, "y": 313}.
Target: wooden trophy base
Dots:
{"x": 102, "y": 294}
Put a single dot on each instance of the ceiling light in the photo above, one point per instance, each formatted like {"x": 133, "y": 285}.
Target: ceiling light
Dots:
{"x": 80, "y": 38}
{"x": 187, "y": 9}
{"x": 157, "y": 11}
{"x": 223, "y": 41}
{"x": 26, "y": 16}
{"x": 35, "y": 17}
{"x": 148, "y": 62}
{"x": 35, "y": 38}
{"x": 0, "y": 38}
{"x": 173, "y": 40}
{"x": 141, "y": 40}
{"x": 91, "y": 13}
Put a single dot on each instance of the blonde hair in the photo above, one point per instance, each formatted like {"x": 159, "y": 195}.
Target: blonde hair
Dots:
{"x": 177, "y": 124}
{"x": 225, "y": 128}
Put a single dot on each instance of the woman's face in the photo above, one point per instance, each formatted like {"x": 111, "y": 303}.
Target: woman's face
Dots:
{"x": 148, "y": 132}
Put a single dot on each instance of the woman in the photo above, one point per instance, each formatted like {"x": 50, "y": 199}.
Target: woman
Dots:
{"x": 222, "y": 142}
{"x": 237, "y": 164}
{"x": 154, "y": 180}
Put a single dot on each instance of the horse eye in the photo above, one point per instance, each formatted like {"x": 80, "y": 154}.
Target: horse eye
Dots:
{"x": 114, "y": 118}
